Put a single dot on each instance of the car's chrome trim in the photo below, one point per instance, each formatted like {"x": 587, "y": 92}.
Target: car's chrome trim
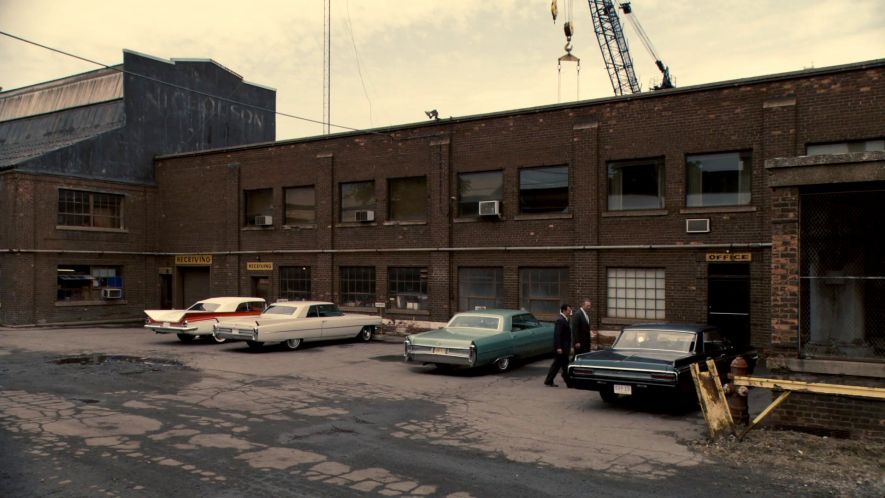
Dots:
{"x": 649, "y": 349}
{"x": 233, "y": 334}
{"x": 670, "y": 372}
{"x": 169, "y": 330}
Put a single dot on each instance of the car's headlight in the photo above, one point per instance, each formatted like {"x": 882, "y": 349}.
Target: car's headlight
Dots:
{"x": 472, "y": 357}
{"x": 255, "y": 334}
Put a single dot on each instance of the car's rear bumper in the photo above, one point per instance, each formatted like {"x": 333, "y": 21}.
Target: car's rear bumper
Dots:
{"x": 442, "y": 359}
{"x": 161, "y": 329}
{"x": 233, "y": 335}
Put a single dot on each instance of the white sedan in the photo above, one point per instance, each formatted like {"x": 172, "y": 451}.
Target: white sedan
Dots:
{"x": 294, "y": 322}
{"x": 197, "y": 321}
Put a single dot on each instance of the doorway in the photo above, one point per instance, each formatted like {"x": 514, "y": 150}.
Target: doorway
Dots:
{"x": 728, "y": 300}
{"x": 165, "y": 291}
{"x": 261, "y": 288}
{"x": 194, "y": 285}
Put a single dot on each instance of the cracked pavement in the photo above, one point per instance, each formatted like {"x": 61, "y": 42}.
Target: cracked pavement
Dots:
{"x": 128, "y": 413}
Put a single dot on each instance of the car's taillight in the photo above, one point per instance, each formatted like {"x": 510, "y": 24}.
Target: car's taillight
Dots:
{"x": 662, "y": 376}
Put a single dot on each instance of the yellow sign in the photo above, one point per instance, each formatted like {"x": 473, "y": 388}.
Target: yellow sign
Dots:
{"x": 194, "y": 260}
{"x": 259, "y": 266}
{"x": 729, "y": 257}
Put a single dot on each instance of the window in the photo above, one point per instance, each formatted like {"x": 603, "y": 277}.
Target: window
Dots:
{"x": 475, "y": 187}
{"x": 358, "y": 286}
{"x": 718, "y": 179}
{"x": 407, "y": 288}
{"x": 523, "y": 322}
{"x": 357, "y": 196}
{"x": 295, "y": 283}
{"x": 300, "y": 205}
{"x": 543, "y": 190}
{"x": 543, "y": 290}
{"x": 408, "y": 199}
{"x": 846, "y": 147}
{"x": 258, "y": 203}
{"x": 636, "y": 293}
{"x": 77, "y": 208}
{"x": 480, "y": 288}
{"x": 88, "y": 283}
{"x": 636, "y": 184}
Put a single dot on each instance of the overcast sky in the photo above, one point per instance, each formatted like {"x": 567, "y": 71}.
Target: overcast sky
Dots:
{"x": 461, "y": 57}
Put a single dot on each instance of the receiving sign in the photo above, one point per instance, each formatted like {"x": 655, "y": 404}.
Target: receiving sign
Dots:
{"x": 259, "y": 266}
{"x": 193, "y": 260}
{"x": 729, "y": 257}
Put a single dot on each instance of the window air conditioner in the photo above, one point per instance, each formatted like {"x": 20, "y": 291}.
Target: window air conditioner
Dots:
{"x": 112, "y": 293}
{"x": 365, "y": 216}
{"x": 264, "y": 221}
{"x": 698, "y": 225}
{"x": 489, "y": 208}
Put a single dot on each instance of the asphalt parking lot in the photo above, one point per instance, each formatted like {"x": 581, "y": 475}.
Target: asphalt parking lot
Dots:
{"x": 123, "y": 412}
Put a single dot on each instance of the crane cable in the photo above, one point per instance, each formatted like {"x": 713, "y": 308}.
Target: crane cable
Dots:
{"x": 569, "y": 29}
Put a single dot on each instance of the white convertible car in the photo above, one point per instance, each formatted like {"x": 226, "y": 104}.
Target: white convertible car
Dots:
{"x": 197, "y": 321}
{"x": 294, "y": 322}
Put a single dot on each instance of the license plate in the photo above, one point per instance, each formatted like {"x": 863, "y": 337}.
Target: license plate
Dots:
{"x": 439, "y": 351}
{"x": 621, "y": 389}
{"x": 166, "y": 324}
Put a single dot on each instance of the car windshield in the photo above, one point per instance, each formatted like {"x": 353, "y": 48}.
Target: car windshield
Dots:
{"x": 280, "y": 310}
{"x": 203, "y": 306}
{"x": 661, "y": 340}
{"x": 475, "y": 322}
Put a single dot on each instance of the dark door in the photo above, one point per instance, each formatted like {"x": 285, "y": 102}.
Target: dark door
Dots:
{"x": 728, "y": 300}
{"x": 165, "y": 292}
{"x": 261, "y": 288}
{"x": 194, "y": 285}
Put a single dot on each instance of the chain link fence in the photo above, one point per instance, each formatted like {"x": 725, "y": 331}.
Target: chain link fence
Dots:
{"x": 842, "y": 246}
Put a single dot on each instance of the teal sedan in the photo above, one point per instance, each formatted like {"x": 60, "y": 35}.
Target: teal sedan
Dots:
{"x": 478, "y": 338}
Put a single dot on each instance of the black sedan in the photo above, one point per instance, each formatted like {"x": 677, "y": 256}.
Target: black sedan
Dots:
{"x": 654, "y": 358}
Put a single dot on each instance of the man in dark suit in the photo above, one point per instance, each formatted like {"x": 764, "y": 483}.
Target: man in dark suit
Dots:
{"x": 562, "y": 343}
{"x": 581, "y": 328}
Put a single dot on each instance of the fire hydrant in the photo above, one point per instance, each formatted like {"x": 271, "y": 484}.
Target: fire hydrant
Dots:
{"x": 737, "y": 398}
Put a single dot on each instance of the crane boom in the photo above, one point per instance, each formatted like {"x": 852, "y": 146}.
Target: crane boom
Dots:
{"x": 613, "y": 45}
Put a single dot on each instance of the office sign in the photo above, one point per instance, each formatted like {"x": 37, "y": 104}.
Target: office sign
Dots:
{"x": 729, "y": 257}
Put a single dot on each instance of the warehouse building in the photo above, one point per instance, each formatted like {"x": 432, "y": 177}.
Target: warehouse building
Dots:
{"x": 77, "y": 189}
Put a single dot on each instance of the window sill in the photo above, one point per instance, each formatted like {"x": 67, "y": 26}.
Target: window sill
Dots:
{"x": 356, "y": 224}
{"x": 300, "y": 226}
{"x": 866, "y": 367}
{"x": 62, "y": 304}
{"x": 394, "y": 222}
{"x": 406, "y": 311}
{"x": 718, "y": 209}
{"x": 91, "y": 229}
{"x": 478, "y": 219}
{"x": 627, "y": 321}
{"x": 637, "y": 212}
{"x": 551, "y": 216}
{"x": 257, "y": 229}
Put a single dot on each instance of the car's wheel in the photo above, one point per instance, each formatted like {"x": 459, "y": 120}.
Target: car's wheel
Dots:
{"x": 217, "y": 340}
{"x": 185, "y": 337}
{"x": 502, "y": 364}
{"x": 255, "y": 344}
{"x": 366, "y": 333}
{"x": 292, "y": 344}
{"x": 608, "y": 395}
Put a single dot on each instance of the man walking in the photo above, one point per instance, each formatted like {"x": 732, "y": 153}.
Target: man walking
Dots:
{"x": 562, "y": 342}
{"x": 581, "y": 335}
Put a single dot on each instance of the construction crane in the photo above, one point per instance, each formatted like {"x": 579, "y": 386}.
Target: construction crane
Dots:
{"x": 615, "y": 51}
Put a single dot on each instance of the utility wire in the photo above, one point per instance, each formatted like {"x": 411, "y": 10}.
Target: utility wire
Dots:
{"x": 359, "y": 68}
{"x": 179, "y": 87}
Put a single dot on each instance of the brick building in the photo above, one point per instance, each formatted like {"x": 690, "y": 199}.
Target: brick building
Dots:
{"x": 77, "y": 190}
{"x": 678, "y": 205}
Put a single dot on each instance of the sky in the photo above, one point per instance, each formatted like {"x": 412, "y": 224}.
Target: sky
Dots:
{"x": 394, "y": 60}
